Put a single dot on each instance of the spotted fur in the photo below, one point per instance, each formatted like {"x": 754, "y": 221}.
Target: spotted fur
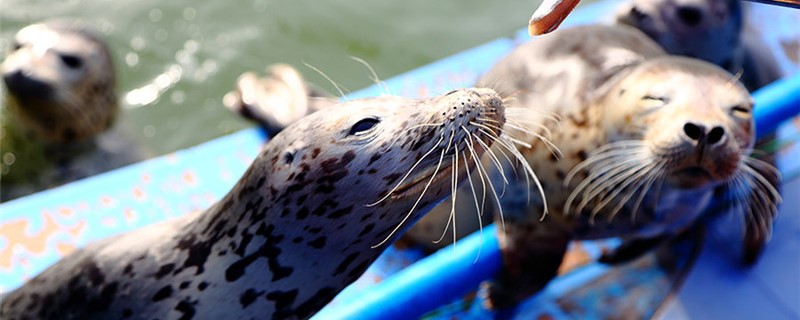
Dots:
{"x": 648, "y": 142}
{"x": 306, "y": 219}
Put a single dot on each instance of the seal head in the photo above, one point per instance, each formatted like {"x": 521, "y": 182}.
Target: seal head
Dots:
{"x": 61, "y": 82}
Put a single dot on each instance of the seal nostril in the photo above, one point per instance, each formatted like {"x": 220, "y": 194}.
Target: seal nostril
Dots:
{"x": 693, "y": 131}
{"x": 715, "y": 135}
{"x": 692, "y": 16}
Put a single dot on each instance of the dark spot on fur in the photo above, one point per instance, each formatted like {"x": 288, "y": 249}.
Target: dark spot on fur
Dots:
{"x": 248, "y": 297}
{"x": 560, "y": 175}
{"x": 297, "y": 239}
{"x": 164, "y": 270}
{"x": 93, "y": 273}
{"x": 268, "y": 250}
{"x": 184, "y": 285}
{"x": 163, "y": 293}
{"x": 318, "y": 243}
{"x": 315, "y": 153}
{"x": 340, "y": 213}
{"x": 374, "y": 158}
{"x": 366, "y": 229}
{"x": 283, "y": 303}
{"x": 372, "y": 171}
{"x": 186, "y": 308}
{"x": 127, "y": 313}
{"x": 202, "y": 286}
{"x": 366, "y": 216}
{"x": 392, "y": 177}
{"x": 581, "y": 155}
{"x": 302, "y": 213}
{"x": 128, "y": 269}
{"x": 197, "y": 253}
{"x": 346, "y": 262}
{"x": 316, "y": 230}
{"x": 246, "y": 237}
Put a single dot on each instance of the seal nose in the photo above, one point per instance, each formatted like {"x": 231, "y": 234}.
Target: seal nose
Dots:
{"x": 691, "y": 16}
{"x": 24, "y": 86}
{"x": 698, "y": 133}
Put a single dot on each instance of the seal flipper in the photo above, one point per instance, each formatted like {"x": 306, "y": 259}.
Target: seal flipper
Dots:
{"x": 277, "y": 100}
{"x": 532, "y": 254}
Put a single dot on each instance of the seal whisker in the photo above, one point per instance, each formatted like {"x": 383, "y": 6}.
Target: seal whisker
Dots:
{"x": 494, "y": 160}
{"x": 469, "y": 145}
{"x": 606, "y": 186}
{"x": 611, "y": 165}
{"x": 478, "y": 209}
{"x": 482, "y": 171}
{"x": 453, "y": 187}
{"x": 530, "y": 174}
{"x": 638, "y": 180}
{"x": 385, "y": 89}
{"x": 335, "y": 85}
{"x": 408, "y": 173}
{"x": 454, "y": 194}
{"x": 657, "y": 175}
{"x": 416, "y": 203}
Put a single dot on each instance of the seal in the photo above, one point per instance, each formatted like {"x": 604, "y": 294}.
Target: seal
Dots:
{"x": 714, "y": 31}
{"x": 283, "y": 96}
{"x": 649, "y": 144}
{"x": 62, "y": 102}
{"x": 710, "y": 30}
{"x": 307, "y": 218}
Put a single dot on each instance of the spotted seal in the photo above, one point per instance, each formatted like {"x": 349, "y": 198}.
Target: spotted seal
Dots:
{"x": 61, "y": 103}
{"x": 710, "y": 30}
{"x": 306, "y": 219}
{"x": 648, "y": 143}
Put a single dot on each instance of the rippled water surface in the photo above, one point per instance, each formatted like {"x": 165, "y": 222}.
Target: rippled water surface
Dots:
{"x": 177, "y": 59}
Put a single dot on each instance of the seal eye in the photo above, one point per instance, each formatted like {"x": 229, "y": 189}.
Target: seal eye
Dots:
{"x": 362, "y": 126}
{"x": 71, "y": 61}
{"x": 16, "y": 46}
{"x": 741, "y": 112}
{"x": 655, "y": 101}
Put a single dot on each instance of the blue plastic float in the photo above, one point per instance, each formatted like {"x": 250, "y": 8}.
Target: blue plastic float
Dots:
{"x": 35, "y": 231}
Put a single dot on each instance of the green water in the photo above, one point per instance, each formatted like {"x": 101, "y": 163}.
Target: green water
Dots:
{"x": 177, "y": 59}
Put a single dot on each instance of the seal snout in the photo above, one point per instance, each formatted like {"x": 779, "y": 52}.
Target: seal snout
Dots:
{"x": 24, "y": 86}
{"x": 699, "y": 135}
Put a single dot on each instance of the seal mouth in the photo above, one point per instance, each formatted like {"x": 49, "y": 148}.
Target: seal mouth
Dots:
{"x": 692, "y": 177}
{"x": 694, "y": 172}
{"x": 417, "y": 184}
